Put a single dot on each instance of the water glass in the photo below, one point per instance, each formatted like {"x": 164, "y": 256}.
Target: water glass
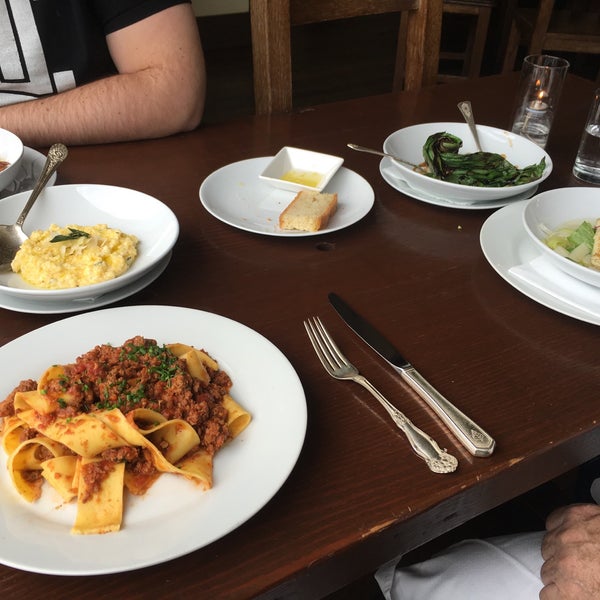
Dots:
{"x": 542, "y": 78}
{"x": 587, "y": 162}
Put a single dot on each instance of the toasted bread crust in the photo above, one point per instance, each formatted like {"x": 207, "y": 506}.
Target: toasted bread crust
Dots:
{"x": 308, "y": 211}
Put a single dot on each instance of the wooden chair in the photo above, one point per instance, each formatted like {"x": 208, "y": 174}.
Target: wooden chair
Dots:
{"x": 574, "y": 28}
{"x": 271, "y": 22}
{"x": 479, "y": 13}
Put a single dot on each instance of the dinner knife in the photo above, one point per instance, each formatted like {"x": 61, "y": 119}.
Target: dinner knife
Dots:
{"x": 476, "y": 440}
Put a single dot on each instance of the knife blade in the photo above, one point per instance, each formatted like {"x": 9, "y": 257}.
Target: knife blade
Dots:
{"x": 475, "y": 439}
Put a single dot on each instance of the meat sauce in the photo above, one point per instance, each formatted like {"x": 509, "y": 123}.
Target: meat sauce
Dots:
{"x": 138, "y": 374}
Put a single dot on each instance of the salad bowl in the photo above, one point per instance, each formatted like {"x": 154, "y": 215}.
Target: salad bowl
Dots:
{"x": 563, "y": 210}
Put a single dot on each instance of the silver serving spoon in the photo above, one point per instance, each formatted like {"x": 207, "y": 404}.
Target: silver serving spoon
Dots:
{"x": 12, "y": 236}
{"x": 379, "y": 153}
{"x": 467, "y": 112}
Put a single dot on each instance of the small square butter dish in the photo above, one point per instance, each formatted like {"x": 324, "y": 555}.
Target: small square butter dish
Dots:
{"x": 295, "y": 169}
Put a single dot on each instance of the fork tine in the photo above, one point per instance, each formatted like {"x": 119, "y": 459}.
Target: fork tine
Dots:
{"x": 314, "y": 337}
{"x": 327, "y": 348}
{"x": 332, "y": 348}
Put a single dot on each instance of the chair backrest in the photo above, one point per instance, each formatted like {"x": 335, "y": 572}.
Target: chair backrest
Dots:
{"x": 574, "y": 27}
{"x": 272, "y": 20}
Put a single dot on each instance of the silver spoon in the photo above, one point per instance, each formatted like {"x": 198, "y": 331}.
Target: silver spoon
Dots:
{"x": 12, "y": 236}
{"x": 379, "y": 153}
{"x": 467, "y": 112}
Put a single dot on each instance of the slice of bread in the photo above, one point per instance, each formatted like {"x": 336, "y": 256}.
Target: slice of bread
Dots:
{"x": 308, "y": 211}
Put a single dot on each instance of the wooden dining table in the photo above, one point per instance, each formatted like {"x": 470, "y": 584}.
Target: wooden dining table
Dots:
{"x": 357, "y": 495}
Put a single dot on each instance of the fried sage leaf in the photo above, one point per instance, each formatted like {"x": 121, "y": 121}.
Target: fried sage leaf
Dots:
{"x": 75, "y": 233}
{"x": 482, "y": 169}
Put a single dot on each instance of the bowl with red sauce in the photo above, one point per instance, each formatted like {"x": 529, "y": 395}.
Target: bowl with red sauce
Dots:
{"x": 11, "y": 154}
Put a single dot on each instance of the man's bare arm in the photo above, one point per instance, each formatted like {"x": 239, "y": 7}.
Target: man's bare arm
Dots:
{"x": 159, "y": 90}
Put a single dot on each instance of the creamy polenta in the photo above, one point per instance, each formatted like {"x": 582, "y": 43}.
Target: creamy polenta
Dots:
{"x": 75, "y": 255}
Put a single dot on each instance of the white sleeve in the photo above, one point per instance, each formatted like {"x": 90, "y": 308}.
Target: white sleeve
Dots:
{"x": 494, "y": 569}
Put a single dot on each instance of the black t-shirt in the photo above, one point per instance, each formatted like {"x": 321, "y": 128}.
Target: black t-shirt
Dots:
{"x": 49, "y": 46}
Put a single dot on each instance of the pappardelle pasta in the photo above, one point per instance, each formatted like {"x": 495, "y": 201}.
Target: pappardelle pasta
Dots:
{"x": 115, "y": 420}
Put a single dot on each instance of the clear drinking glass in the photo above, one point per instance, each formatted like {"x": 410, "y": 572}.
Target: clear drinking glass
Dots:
{"x": 542, "y": 78}
{"x": 587, "y": 162}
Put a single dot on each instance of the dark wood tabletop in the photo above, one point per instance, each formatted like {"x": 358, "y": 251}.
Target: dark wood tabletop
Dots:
{"x": 358, "y": 496}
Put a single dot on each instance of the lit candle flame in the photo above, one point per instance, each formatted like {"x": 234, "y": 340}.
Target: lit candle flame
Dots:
{"x": 538, "y": 103}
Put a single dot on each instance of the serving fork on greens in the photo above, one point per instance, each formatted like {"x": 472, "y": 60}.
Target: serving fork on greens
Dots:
{"x": 339, "y": 367}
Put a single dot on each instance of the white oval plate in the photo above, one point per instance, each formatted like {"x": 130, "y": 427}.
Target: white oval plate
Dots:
{"x": 174, "y": 517}
{"x": 132, "y": 212}
{"x": 235, "y": 195}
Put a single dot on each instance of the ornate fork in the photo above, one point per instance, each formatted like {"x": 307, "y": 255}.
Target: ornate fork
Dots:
{"x": 339, "y": 367}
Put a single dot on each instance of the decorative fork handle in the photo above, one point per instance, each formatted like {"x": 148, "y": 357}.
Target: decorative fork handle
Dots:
{"x": 475, "y": 439}
{"x": 438, "y": 460}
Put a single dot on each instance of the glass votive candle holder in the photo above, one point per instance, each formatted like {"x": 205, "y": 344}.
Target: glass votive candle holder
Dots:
{"x": 587, "y": 162}
{"x": 542, "y": 78}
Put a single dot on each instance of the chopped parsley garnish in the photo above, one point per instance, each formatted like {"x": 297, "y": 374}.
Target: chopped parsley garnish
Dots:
{"x": 126, "y": 392}
{"x": 166, "y": 369}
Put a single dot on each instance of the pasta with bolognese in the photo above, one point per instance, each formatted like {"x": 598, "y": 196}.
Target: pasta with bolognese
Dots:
{"x": 115, "y": 420}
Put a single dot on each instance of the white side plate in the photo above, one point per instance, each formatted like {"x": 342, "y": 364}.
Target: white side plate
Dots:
{"x": 235, "y": 195}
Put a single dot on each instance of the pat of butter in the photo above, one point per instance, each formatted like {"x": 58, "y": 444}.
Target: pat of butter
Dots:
{"x": 308, "y": 178}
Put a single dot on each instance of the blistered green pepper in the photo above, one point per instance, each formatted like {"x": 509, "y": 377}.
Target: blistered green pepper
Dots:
{"x": 483, "y": 169}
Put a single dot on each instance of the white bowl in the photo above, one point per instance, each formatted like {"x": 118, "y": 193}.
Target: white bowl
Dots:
{"x": 550, "y": 210}
{"x": 297, "y": 163}
{"x": 133, "y": 212}
{"x": 408, "y": 144}
{"x": 11, "y": 151}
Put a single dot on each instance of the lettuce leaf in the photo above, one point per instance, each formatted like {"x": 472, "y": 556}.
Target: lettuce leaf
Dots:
{"x": 584, "y": 234}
